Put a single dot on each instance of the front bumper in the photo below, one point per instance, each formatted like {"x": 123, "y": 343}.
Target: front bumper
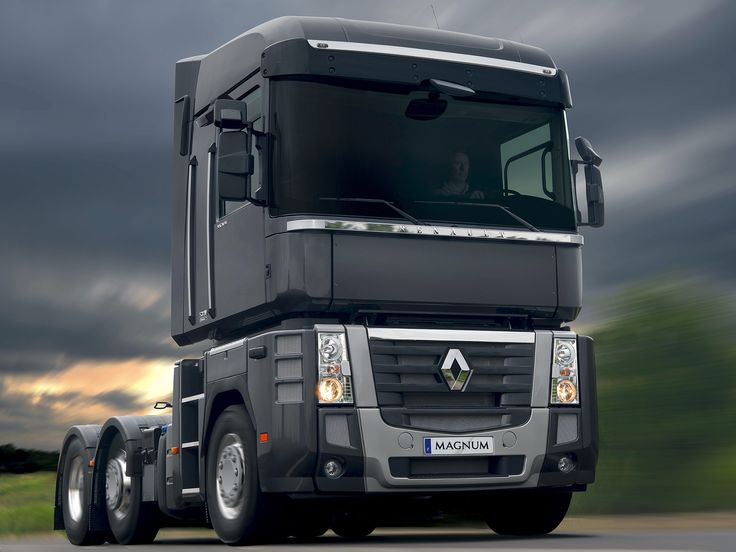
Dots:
{"x": 381, "y": 458}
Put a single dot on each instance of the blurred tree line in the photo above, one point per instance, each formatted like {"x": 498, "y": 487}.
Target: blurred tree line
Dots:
{"x": 15, "y": 460}
{"x": 667, "y": 401}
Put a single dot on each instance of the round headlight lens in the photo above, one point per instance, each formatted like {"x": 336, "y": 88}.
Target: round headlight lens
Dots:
{"x": 329, "y": 390}
{"x": 564, "y": 354}
{"x": 330, "y": 348}
{"x": 566, "y": 391}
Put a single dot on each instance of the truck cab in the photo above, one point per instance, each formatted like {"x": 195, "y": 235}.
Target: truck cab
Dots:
{"x": 377, "y": 229}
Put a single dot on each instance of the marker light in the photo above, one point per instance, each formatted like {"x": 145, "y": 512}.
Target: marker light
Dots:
{"x": 564, "y": 388}
{"x": 334, "y": 383}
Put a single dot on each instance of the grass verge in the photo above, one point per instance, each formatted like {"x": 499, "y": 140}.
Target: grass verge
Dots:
{"x": 26, "y": 503}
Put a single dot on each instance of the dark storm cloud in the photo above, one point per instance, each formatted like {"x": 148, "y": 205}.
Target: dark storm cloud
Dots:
{"x": 118, "y": 400}
{"x": 86, "y": 94}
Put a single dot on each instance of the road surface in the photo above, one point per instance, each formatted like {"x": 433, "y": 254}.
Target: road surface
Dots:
{"x": 400, "y": 540}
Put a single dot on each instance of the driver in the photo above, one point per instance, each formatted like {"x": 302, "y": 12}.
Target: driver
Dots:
{"x": 457, "y": 184}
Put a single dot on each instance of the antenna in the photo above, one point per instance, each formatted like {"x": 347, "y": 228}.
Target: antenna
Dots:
{"x": 435, "y": 16}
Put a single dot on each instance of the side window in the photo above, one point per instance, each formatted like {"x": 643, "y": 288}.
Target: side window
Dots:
{"x": 526, "y": 163}
{"x": 255, "y": 112}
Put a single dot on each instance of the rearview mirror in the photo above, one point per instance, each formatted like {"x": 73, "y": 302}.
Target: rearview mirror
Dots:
{"x": 594, "y": 196}
{"x": 426, "y": 109}
{"x": 593, "y": 183}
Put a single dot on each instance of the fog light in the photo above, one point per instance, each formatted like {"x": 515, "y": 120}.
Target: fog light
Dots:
{"x": 329, "y": 390}
{"x": 333, "y": 468}
{"x": 566, "y": 391}
{"x": 566, "y": 464}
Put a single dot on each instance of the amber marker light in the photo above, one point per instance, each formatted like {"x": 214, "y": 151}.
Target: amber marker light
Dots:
{"x": 329, "y": 390}
{"x": 566, "y": 391}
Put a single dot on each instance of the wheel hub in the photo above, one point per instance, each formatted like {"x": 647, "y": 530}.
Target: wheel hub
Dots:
{"x": 117, "y": 485}
{"x": 230, "y": 476}
{"x": 75, "y": 488}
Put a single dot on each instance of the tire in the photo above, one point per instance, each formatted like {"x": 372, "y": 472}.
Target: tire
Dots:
{"x": 74, "y": 501}
{"x": 529, "y": 514}
{"x": 353, "y": 526}
{"x": 132, "y": 521}
{"x": 236, "y": 506}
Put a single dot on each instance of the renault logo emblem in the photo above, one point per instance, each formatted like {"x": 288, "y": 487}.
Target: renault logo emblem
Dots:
{"x": 455, "y": 370}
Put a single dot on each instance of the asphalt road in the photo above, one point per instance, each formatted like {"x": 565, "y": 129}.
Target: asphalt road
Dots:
{"x": 430, "y": 539}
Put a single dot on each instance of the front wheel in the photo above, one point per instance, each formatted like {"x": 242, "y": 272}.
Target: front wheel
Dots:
{"x": 529, "y": 514}
{"x": 234, "y": 500}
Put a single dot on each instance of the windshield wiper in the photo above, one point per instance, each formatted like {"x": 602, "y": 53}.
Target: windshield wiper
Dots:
{"x": 390, "y": 204}
{"x": 494, "y": 205}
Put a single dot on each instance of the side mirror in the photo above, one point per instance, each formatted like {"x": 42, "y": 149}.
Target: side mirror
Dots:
{"x": 234, "y": 166}
{"x": 594, "y": 196}
{"x": 593, "y": 182}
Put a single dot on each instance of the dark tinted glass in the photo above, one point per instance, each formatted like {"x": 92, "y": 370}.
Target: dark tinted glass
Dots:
{"x": 332, "y": 141}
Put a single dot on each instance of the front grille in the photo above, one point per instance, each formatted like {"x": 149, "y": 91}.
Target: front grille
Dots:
{"x": 413, "y": 393}
{"x": 478, "y": 466}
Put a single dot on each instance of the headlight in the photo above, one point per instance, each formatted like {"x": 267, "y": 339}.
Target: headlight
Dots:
{"x": 330, "y": 348}
{"x": 564, "y": 353}
{"x": 334, "y": 383}
{"x": 564, "y": 372}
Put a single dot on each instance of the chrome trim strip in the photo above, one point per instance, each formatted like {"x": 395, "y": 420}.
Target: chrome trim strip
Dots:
{"x": 210, "y": 155}
{"x": 227, "y": 346}
{"x": 486, "y": 336}
{"x": 432, "y": 54}
{"x": 444, "y": 231}
{"x": 188, "y": 244}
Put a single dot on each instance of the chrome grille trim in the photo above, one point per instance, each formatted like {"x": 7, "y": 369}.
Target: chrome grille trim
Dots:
{"x": 479, "y": 336}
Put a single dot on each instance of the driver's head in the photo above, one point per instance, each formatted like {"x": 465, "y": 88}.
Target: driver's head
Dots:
{"x": 459, "y": 166}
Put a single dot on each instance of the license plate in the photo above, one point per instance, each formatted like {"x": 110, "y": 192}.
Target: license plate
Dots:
{"x": 458, "y": 445}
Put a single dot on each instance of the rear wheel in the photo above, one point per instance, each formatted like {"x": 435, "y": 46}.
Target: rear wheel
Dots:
{"x": 235, "y": 503}
{"x": 529, "y": 514}
{"x": 74, "y": 504}
{"x": 132, "y": 521}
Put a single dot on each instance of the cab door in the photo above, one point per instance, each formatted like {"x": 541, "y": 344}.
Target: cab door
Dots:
{"x": 227, "y": 237}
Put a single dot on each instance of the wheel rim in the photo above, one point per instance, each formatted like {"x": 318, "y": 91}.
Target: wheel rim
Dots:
{"x": 230, "y": 476}
{"x": 117, "y": 486}
{"x": 75, "y": 489}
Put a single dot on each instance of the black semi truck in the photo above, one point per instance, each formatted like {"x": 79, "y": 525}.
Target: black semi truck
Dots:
{"x": 376, "y": 227}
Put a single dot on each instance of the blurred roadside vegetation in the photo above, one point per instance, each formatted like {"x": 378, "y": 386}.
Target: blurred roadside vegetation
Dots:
{"x": 18, "y": 460}
{"x": 666, "y": 358}
{"x": 26, "y": 502}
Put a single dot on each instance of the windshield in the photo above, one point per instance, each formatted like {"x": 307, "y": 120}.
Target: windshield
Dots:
{"x": 470, "y": 162}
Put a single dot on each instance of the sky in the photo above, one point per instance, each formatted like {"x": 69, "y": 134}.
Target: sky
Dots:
{"x": 86, "y": 90}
